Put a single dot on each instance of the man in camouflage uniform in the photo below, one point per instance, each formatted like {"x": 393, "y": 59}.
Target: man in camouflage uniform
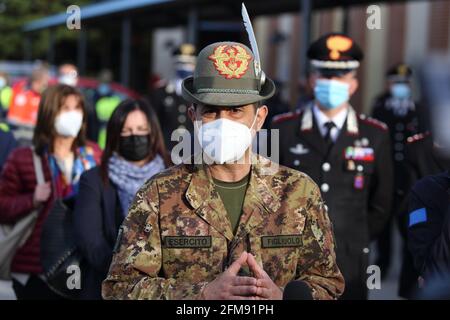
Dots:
{"x": 179, "y": 240}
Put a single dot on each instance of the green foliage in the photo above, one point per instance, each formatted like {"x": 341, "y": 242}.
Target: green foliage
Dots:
{"x": 14, "y": 14}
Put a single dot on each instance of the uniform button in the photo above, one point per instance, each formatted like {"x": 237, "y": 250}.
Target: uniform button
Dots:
{"x": 366, "y": 250}
{"x": 170, "y": 89}
{"x": 325, "y": 187}
{"x": 326, "y": 166}
{"x": 398, "y": 156}
{"x": 359, "y": 168}
{"x": 400, "y": 127}
{"x": 364, "y": 142}
{"x": 182, "y": 108}
{"x": 399, "y": 136}
{"x": 181, "y": 119}
{"x": 398, "y": 146}
{"x": 168, "y": 101}
{"x": 296, "y": 162}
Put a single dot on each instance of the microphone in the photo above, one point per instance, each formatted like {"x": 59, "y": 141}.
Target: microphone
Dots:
{"x": 297, "y": 290}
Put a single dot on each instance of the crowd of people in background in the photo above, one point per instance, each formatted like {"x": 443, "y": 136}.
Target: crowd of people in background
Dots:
{"x": 97, "y": 149}
{"x": 98, "y": 201}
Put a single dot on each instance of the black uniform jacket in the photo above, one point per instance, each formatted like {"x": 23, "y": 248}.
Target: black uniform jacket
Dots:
{"x": 355, "y": 178}
{"x": 429, "y": 225}
{"x": 172, "y": 111}
{"x": 422, "y": 159}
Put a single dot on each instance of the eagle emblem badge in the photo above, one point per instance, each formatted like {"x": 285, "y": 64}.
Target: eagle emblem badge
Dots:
{"x": 231, "y": 61}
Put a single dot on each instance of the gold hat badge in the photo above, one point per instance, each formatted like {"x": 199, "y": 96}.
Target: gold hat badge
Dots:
{"x": 231, "y": 61}
{"x": 338, "y": 44}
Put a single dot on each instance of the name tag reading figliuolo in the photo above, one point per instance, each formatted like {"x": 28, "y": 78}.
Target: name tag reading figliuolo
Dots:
{"x": 281, "y": 241}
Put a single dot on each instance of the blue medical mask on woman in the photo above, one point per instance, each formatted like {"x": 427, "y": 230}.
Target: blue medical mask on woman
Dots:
{"x": 400, "y": 90}
{"x": 331, "y": 93}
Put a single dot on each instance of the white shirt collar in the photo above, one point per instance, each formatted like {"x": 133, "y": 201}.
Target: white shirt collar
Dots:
{"x": 338, "y": 120}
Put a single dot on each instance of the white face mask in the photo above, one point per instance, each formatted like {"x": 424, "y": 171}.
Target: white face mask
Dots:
{"x": 68, "y": 123}
{"x": 225, "y": 140}
{"x": 2, "y": 83}
{"x": 68, "y": 79}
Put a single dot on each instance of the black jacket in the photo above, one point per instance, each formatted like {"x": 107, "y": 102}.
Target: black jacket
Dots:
{"x": 357, "y": 190}
{"x": 171, "y": 110}
{"x": 97, "y": 218}
{"x": 429, "y": 225}
{"x": 401, "y": 127}
{"x": 422, "y": 159}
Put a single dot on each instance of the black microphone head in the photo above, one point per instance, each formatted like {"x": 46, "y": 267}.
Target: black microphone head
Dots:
{"x": 297, "y": 290}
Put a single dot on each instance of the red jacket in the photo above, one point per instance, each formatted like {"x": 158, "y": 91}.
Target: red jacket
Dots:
{"x": 17, "y": 184}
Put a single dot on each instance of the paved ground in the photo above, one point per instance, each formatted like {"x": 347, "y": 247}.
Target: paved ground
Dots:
{"x": 389, "y": 287}
{"x": 6, "y": 292}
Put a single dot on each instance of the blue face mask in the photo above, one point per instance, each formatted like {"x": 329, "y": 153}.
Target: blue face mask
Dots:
{"x": 103, "y": 89}
{"x": 184, "y": 70}
{"x": 182, "y": 73}
{"x": 331, "y": 93}
{"x": 400, "y": 90}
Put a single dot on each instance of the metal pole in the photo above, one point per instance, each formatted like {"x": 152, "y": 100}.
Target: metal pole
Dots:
{"x": 125, "y": 58}
{"x": 345, "y": 20}
{"x": 51, "y": 47}
{"x": 27, "y": 48}
{"x": 305, "y": 12}
{"x": 81, "y": 51}
{"x": 192, "y": 26}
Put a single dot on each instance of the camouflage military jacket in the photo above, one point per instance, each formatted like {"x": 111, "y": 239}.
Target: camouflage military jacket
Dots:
{"x": 177, "y": 236}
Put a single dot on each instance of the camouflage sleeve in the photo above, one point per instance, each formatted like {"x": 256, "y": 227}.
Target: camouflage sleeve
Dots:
{"x": 317, "y": 266}
{"x": 136, "y": 266}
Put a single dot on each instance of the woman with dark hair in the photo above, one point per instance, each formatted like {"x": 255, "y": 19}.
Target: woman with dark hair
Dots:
{"x": 134, "y": 152}
{"x": 60, "y": 142}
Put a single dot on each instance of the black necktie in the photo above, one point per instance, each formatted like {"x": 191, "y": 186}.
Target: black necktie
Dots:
{"x": 328, "y": 140}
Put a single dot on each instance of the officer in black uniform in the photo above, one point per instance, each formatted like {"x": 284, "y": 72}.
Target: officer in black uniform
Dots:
{"x": 167, "y": 100}
{"x": 424, "y": 156}
{"x": 397, "y": 109}
{"x": 346, "y": 153}
{"x": 277, "y": 104}
{"x": 429, "y": 228}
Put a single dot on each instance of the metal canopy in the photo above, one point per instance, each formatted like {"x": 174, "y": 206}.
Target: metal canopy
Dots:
{"x": 93, "y": 11}
{"x": 176, "y": 12}
{"x": 149, "y": 14}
